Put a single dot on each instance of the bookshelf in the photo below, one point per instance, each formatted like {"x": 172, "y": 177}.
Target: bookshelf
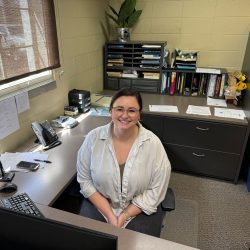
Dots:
{"x": 141, "y": 64}
{"x": 134, "y": 64}
{"x": 201, "y": 82}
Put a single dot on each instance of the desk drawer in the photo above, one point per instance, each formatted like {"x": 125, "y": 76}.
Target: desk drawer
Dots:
{"x": 203, "y": 162}
{"x": 208, "y": 135}
{"x": 153, "y": 123}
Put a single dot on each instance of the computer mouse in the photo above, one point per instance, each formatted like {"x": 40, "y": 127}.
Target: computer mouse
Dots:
{"x": 8, "y": 187}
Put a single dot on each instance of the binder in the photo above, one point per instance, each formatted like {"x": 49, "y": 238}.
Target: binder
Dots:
{"x": 217, "y": 86}
{"x": 172, "y": 83}
{"x": 182, "y": 82}
{"x": 223, "y": 80}
{"x": 195, "y": 85}
{"x": 211, "y": 85}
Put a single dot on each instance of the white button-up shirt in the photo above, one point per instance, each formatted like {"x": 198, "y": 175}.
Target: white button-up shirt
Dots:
{"x": 146, "y": 172}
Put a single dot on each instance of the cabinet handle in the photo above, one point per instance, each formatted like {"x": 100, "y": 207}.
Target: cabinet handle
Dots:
{"x": 199, "y": 155}
{"x": 203, "y": 129}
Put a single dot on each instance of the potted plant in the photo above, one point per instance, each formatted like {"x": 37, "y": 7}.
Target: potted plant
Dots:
{"x": 125, "y": 18}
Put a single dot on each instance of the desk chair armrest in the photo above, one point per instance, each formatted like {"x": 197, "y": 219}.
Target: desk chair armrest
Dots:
{"x": 168, "y": 204}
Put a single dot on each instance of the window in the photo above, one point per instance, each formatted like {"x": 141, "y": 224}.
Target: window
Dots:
{"x": 28, "y": 39}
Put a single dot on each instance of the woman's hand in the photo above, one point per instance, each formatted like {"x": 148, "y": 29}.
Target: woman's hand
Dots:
{"x": 121, "y": 219}
{"x": 113, "y": 220}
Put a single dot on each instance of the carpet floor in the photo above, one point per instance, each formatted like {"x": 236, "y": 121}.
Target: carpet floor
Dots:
{"x": 210, "y": 214}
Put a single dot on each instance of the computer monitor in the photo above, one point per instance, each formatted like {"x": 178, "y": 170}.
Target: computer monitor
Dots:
{"x": 22, "y": 231}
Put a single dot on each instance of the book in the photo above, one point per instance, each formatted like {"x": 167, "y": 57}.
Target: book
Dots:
{"x": 217, "y": 86}
{"x": 195, "y": 85}
{"x": 223, "y": 80}
{"x": 168, "y": 82}
{"x": 211, "y": 85}
{"x": 182, "y": 83}
{"x": 172, "y": 83}
{"x": 202, "y": 81}
{"x": 164, "y": 83}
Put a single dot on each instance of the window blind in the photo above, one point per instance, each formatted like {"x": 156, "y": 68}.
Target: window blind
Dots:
{"x": 28, "y": 38}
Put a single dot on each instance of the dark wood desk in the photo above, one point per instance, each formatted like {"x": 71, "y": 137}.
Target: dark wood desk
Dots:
{"x": 127, "y": 239}
{"x": 46, "y": 184}
{"x": 203, "y": 145}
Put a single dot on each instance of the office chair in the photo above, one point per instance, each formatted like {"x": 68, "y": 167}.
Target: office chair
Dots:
{"x": 168, "y": 204}
{"x": 155, "y": 222}
{"x": 72, "y": 201}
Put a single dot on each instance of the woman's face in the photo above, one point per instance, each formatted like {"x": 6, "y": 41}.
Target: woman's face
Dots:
{"x": 125, "y": 112}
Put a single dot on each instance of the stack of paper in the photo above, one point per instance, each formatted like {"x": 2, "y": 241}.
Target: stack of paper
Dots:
{"x": 151, "y": 75}
{"x": 229, "y": 113}
{"x": 163, "y": 108}
{"x": 100, "y": 100}
{"x": 198, "y": 110}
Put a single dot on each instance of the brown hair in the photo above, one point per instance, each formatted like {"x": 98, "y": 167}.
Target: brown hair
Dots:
{"x": 126, "y": 92}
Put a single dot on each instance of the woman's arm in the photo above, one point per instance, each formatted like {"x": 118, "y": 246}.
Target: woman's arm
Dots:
{"x": 151, "y": 197}
{"x": 101, "y": 203}
{"x": 130, "y": 211}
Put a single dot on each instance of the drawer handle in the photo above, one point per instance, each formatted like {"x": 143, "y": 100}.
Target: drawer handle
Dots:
{"x": 203, "y": 129}
{"x": 199, "y": 155}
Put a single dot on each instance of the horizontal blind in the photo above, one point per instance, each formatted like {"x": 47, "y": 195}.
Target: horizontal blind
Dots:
{"x": 28, "y": 38}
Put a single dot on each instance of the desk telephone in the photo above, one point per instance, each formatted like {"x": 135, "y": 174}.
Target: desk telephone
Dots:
{"x": 45, "y": 134}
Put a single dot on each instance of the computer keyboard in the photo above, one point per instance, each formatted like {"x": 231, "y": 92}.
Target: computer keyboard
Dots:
{"x": 21, "y": 203}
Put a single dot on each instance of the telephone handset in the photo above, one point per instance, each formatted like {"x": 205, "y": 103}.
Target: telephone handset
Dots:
{"x": 45, "y": 134}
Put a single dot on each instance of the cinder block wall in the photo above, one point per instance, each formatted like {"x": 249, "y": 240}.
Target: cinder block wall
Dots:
{"x": 218, "y": 29}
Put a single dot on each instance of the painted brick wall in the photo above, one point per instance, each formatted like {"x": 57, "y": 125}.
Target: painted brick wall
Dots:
{"x": 218, "y": 29}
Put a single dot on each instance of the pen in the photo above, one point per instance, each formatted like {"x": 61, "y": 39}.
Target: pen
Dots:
{"x": 42, "y": 161}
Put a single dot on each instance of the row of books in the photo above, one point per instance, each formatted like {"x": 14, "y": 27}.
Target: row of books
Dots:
{"x": 193, "y": 84}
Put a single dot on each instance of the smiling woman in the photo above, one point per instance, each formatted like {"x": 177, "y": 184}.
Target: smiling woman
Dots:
{"x": 28, "y": 40}
{"x": 123, "y": 169}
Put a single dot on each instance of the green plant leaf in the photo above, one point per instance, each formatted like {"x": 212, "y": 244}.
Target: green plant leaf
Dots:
{"x": 113, "y": 10}
{"x": 126, "y": 10}
{"x": 133, "y": 18}
{"x": 115, "y": 20}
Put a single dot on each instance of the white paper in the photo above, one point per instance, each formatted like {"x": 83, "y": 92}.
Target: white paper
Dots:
{"x": 10, "y": 160}
{"x": 22, "y": 102}
{"x": 216, "y": 102}
{"x": 100, "y": 100}
{"x": 9, "y": 122}
{"x": 229, "y": 113}
{"x": 151, "y": 46}
{"x": 198, "y": 110}
{"x": 163, "y": 108}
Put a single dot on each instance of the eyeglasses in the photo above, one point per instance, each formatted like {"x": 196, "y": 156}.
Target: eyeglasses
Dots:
{"x": 121, "y": 111}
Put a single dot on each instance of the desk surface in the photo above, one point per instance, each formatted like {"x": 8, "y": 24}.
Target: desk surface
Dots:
{"x": 46, "y": 184}
{"x": 182, "y": 102}
{"x": 127, "y": 239}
